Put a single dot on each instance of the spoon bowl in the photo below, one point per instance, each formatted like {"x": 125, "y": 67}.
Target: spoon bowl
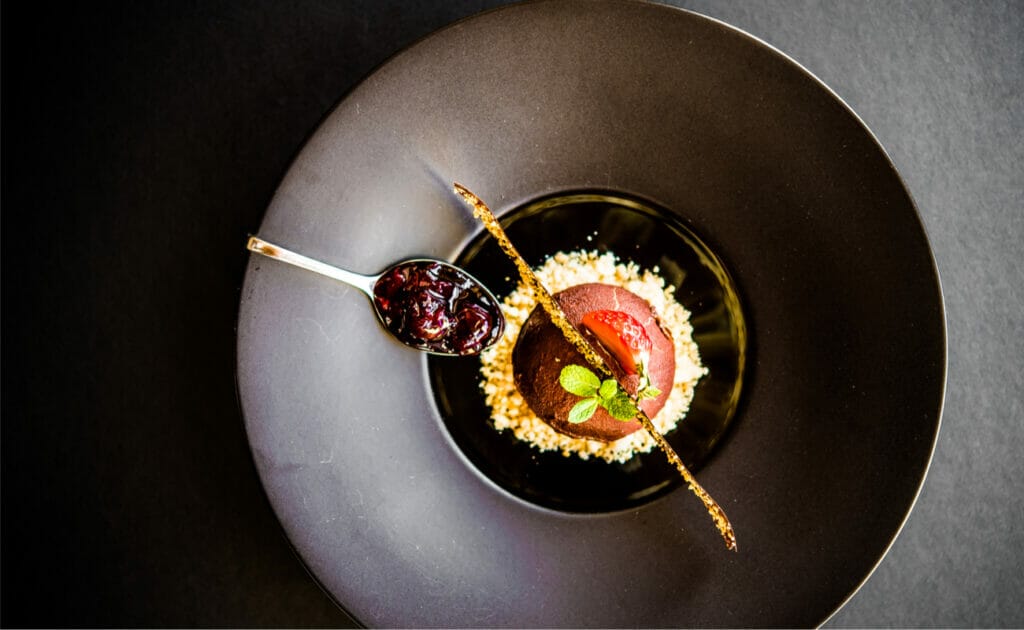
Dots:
{"x": 427, "y": 304}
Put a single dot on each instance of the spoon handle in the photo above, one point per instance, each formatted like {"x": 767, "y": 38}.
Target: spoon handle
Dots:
{"x": 359, "y": 281}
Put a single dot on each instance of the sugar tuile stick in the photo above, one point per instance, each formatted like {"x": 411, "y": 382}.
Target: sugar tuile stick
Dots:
{"x": 558, "y": 318}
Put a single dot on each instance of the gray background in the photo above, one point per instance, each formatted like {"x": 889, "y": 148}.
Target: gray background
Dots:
{"x": 142, "y": 143}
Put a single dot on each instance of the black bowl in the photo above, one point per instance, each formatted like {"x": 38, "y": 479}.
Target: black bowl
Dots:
{"x": 639, "y": 232}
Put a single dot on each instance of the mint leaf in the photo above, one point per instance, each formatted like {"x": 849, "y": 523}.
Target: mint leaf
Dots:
{"x": 582, "y": 410}
{"x": 578, "y": 380}
{"x": 621, "y": 407}
{"x": 650, "y": 392}
{"x": 608, "y": 389}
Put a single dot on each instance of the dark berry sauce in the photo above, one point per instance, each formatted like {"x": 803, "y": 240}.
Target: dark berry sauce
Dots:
{"x": 437, "y": 308}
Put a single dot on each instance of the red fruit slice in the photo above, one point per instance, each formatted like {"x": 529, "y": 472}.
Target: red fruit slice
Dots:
{"x": 623, "y": 337}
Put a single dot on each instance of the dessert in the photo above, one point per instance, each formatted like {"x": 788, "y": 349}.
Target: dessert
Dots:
{"x": 536, "y": 288}
{"x": 541, "y": 352}
{"x": 560, "y": 272}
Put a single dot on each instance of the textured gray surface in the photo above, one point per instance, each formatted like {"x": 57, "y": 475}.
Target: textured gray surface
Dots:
{"x": 129, "y": 498}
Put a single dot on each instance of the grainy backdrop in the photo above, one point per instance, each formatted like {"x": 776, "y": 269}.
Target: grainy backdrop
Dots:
{"x": 141, "y": 144}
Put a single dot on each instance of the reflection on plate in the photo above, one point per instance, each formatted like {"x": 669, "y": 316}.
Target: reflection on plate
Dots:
{"x": 651, "y": 238}
{"x": 387, "y": 500}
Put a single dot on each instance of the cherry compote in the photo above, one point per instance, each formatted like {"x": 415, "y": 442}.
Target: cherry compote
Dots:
{"x": 437, "y": 308}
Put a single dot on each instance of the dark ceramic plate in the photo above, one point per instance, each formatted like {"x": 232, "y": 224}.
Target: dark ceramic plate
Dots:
{"x": 395, "y": 511}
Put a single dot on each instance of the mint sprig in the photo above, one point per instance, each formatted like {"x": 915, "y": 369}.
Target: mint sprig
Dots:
{"x": 595, "y": 393}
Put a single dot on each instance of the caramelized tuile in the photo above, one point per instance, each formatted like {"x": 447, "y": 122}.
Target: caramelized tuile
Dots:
{"x": 558, "y": 318}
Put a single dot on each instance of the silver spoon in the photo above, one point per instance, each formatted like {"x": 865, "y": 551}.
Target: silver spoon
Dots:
{"x": 427, "y": 304}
